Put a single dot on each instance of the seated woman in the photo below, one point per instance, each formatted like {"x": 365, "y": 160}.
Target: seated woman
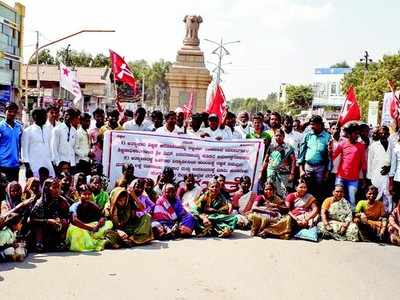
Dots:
{"x": 280, "y": 164}
{"x": 136, "y": 189}
{"x": 149, "y": 189}
{"x": 170, "y": 219}
{"x": 32, "y": 189}
{"x": 66, "y": 190}
{"x": 130, "y": 228}
{"x": 11, "y": 248}
{"x": 79, "y": 180}
{"x": 128, "y": 175}
{"x": 302, "y": 207}
{"x": 394, "y": 225}
{"x": 337, "y": 217}
{"x": 370, "y": 217}
{"x": 242, "y": 200}
{"x": 49, "y": 219}
{"x": 189, "y": 191}
{"x": 88, "y": 229}
{"x": 269, "y": 215}
{"x": 100, "y": 196}
{"x": 167, "y": 176}
{"x": 13, "y": 197}
{"x": 212, "y": 212}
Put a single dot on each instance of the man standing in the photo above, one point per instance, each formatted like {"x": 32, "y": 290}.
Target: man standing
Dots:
{"x": 112, "y": 123}
{"x": 35, "y": 145}
{"x": 139, "y": 123}
{"x": 275, "y": 123}
{"x": 352, "y": 161}
{"x": 97, "y": 148}
{"x": 170, "y": 124}
{"x": 82, "y": 145}
{"x": 313, "y": 156}
{"x": 379, "y": 156}
{"x": 214, "y": 132}
{"x": 10, "y": 143}
{"x": 63, "y": 138}
{"x": 244, "y": 127}
{"x": 194, "y": 126}
{"x": 53, "y": 114}
{"x": 180, "y": 120}
{"x": 230, "y": 122}
{"x": 293, "y": 138}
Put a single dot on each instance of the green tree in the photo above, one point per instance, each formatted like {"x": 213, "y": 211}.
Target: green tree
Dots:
{"x": 100, "y": 60}
{"x": 342, "y": 64}
{"x": 45, "y": 57}
{"x": 372, "y": 84}
{"x": 299, "y": 97}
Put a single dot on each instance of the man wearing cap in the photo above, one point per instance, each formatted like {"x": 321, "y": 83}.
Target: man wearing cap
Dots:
{"x": 180, "y": 120}
{"x": 213, "y": 131}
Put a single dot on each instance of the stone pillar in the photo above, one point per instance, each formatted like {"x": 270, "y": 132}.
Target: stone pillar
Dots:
{"x": 189, "y": 74}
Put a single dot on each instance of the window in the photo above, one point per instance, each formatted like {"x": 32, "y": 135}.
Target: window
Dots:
{"x": 333, "y": 89}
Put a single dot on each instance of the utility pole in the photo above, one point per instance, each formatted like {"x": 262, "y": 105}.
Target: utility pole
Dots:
{"x": 220, "y": 51}
{"x": 366, "y": 60}
{"x": 37, "y": 68}
{"x": 67, "y": 51}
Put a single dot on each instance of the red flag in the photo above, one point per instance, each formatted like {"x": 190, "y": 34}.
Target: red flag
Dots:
{"x": 121, "y": 70}
{"x": 395, "y": 107}
{"x": 188, "y": 108}
{"x": 218, "y": 103}
{"x": 350, "y": 110}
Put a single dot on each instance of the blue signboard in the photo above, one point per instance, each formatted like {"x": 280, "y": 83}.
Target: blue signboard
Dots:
{"x": 328, "y": 71}
{"x": 5, "y": 93}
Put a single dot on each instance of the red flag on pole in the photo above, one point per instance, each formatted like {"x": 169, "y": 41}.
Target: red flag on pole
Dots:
{"x": 218, "y": 103}
{"x": 121, "y": 70}
{"x": 350, "y": 110}
{"x": 188, "y": 108}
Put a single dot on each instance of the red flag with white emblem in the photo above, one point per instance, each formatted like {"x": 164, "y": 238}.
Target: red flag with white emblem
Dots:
{"x": 121, "y": 70}
{"x": 188, "y": 108}
{"x": 350, "y": 110}
{"x": 69, "y": 81}
{"x": 218, "y": 103}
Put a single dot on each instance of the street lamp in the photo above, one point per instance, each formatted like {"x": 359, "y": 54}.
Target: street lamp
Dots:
{"x": 48, "y": 44}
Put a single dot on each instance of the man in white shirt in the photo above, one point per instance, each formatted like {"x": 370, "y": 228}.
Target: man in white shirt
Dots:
{"x": 139, "y": 123}
{"x": 169, "y": 127}
{"x": 82, "y": 145}
{"x": 180, "y": 120}
{"x": 35, "y": 145}
{"x": 244, "y": 127}
{"x": 63, "y": 139}
{"x": 195, "y": 123}
{"x": 293, "y": 138}
{"x": 213, "y": 131}
{"x": 231, "y": 131}
{"x": 379, "y": 157}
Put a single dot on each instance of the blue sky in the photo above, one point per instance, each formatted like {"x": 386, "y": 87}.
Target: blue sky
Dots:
{"x": 281, "y": 40}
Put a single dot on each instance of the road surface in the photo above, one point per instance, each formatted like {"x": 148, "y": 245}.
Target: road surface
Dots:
{"x": 237, "y": 268}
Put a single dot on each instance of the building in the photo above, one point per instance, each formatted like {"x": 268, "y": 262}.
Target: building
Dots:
{"x": 11, "y": 51}
{"x": 327, "y": 87}
{"x": 95, "y": 84}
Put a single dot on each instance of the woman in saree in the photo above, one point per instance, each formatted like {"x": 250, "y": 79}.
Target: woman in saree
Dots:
{"x": 302, "y": 207}
{"x": 13, "y": 197}
{"x": 280, "y": 164}
{"x": 136, "y": 189}
{"x": 149, "y": 189}
{"x": 242, "y": 200}
{"x": 49, "y": 219}
{"x": 99, "y": 195}
{"x": 370, "y": 217}
{"x": 212, "y": 212}
{"x": 337, "y": 218}
{"x": 394, "y": 225}
{"x": 88, "y": 229}
{"x": 170, "y": 219}
{"x": 66, "y": 190}
{"x": 31, "y": 189}
{"x": 269, "y": 215}
{"x": 130, "y": 228}
{"x": 189, "y": 191}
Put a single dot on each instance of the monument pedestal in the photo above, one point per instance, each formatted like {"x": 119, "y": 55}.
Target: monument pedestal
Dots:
{"x": 188, "y": 74}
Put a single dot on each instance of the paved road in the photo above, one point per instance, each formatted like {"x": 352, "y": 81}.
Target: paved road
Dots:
{"x": 237, "y": 268}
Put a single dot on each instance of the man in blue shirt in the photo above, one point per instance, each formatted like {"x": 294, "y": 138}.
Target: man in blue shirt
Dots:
{"x": 313, "y": 157}
{"x": 10, "y": 143}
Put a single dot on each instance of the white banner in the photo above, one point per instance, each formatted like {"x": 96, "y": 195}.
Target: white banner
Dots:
{"x": 150, "y": 152}
{"x": 386, "y": 117}
{"x": 373, "y": 109}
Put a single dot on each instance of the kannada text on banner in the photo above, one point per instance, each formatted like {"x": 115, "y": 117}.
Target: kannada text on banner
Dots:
{"x": 151, "y": 152}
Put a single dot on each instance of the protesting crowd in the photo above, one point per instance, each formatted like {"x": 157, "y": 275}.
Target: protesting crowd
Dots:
{"x": 317, "y": 181}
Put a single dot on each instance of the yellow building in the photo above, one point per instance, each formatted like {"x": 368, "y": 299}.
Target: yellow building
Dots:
{"x": 11, "y": 48}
